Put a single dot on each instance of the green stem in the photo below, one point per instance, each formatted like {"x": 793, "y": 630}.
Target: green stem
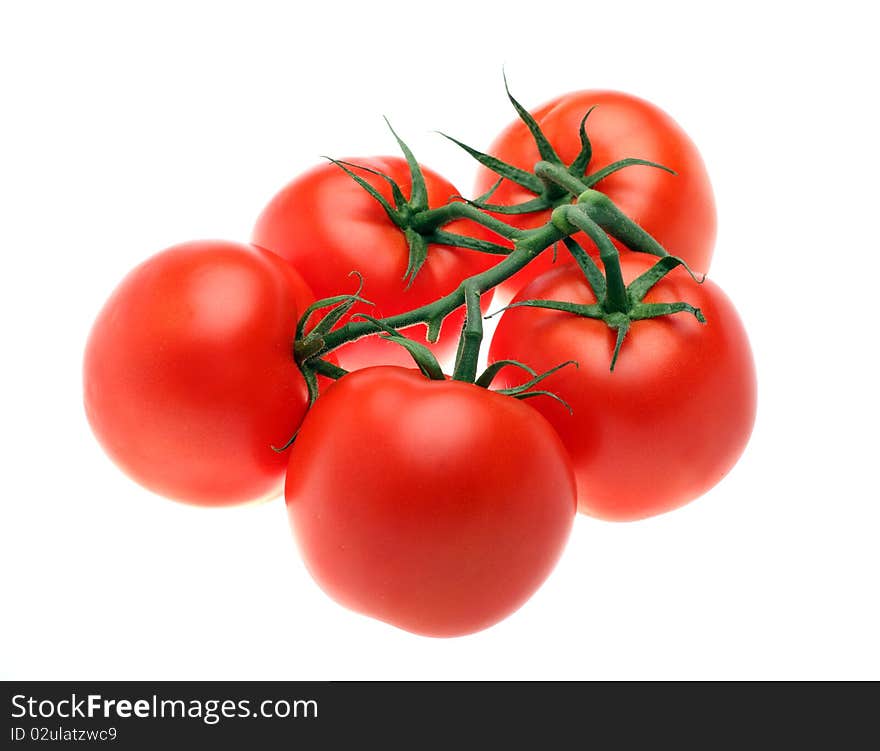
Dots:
{"x": 429, "y": 220}
{"x": 554, "y": 185}
{"x": 608, "y": 216}
{"x": 556, "y": 174}
{"x": 602, "y": 209}
{"x": 529, "y": 244}
{"x": 616, "y": 300}
{"x": 324, "y": 368}
{"x": 471, "y": 338}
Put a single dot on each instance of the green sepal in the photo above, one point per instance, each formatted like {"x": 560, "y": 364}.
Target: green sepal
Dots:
{"x": 519, "y": 176}
{"x": 335, "y": 315}
{"x": 488, "y": 375}
{"x": 621, "y": 323}
{"x": 340, "y": 301}
{"x": 396, "y": 191}
{"x": 442, "y": 237}
{"x": 531, "y": 394}
{"x": 645, "y": 310}
{"x": 422, "y": 356}
{"x": 489, "y": 193}
{"x": 393, "y": 214}
{"x": 640, "y": 286}
{"x": 325, "y": 303}
{"x": 287, "y": 444}
{"x": 310, "y": 371}
{"x": 539, "y": 203}
{"x": 545, "y": 148}
{"x": 418, "y": 199}
{"x": 514, "y": 390}
{"x": 404, "y": 209}
{"x": 598, "y": 175}
{"x": 311, "y": 380}
{"x": 418, "y": 254}
{"x": 579, "y": 166}
{"x": 584, "y": 311}
{"x": 593, "y": 274}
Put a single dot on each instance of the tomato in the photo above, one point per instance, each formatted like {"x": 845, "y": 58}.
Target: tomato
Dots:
{"x": 327, "y": 226}
{"x": 677, "y": 210}
{"x": 436, "y": 506}
{"x": 189, "y": 374}
{"x": 671, "y": 419}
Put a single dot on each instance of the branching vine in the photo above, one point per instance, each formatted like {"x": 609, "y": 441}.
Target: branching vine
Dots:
{"x": 577, "y": 206}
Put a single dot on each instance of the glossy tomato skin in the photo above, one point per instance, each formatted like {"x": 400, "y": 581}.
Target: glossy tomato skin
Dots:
{"x": 673, "y": 417}
{"x": 677, "y": 210}
{"x": 189, "y": 376}
{"x": 436, "y": 506}
{"x": 327, "y": 226}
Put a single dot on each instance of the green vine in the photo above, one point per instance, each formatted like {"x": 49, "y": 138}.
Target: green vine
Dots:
{"x": 576, "y": 206}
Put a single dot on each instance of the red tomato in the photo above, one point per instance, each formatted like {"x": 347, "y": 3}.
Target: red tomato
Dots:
{"x": 436, "y": 506}
{"x": 327, "y": 226}
{"x": 677, "y": 210}
{"x": 671, "y": 419}
{"x": 189, "y": 374}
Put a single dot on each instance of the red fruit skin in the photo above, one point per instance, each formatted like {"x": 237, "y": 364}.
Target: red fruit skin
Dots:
{"x": 189, "y": 376}
{"x": 328, "y": 226}
{"x": 673, "y": 417}
{"x": 677, "y": 210}
{"x": 438, "y": 507}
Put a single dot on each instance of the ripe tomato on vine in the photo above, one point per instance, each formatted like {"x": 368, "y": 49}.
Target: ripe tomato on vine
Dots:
{"x": 327, "y": 226}
{"x": 189, "y": 374}
{"x": 634, "y": 153}
{"x": 435, "y": 505}
{"x": 620, "y": 383}
{"x": 673, "y": 416}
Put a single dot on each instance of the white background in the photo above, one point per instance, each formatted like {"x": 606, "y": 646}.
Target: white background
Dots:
{"x": 127, "y": 128}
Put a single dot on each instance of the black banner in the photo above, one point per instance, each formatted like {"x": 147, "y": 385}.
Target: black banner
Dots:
{"x": 412, "y": 715}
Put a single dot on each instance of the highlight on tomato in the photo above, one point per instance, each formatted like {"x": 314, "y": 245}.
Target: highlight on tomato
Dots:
{"x": 623, "y": 146}
{"x": 189, "y": 377}
{"x": 673, "y": 416}
{"x": 435, "y": 505}
{"x": 358, "y": 215}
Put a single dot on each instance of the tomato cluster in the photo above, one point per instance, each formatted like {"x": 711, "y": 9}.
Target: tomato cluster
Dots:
{"x": 619, "y": 384}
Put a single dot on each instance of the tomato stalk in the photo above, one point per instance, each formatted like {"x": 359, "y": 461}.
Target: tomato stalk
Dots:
{"x": 618, "y": 306}
{"x": 576, "y": 207}
{"x": 570, "y": 219}
{"x": 471, "y": 338}
{"x": 526, "y": 247}
{"x": 553, "y": 174}
{"x": 601, "y": 209}
{"x": 428, "y": 222}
